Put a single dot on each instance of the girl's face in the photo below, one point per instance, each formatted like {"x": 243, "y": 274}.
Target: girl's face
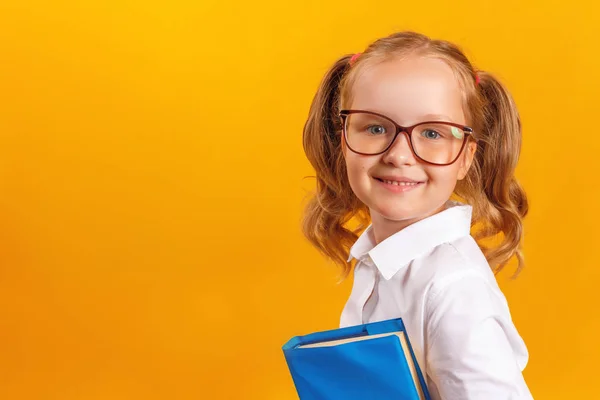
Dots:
{"x": 409, "y": 91}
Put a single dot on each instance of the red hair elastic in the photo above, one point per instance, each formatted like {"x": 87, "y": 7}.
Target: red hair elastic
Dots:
{"x": 354, "y": 58}
{"x": 477, "y": 79}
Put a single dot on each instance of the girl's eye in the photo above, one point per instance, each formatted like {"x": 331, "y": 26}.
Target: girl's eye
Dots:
{"x": 376, "y": 129}
{"x": 430, "y": 134}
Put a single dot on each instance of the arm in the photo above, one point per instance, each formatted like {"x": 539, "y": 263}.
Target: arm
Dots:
{"x": 474, "y": 350}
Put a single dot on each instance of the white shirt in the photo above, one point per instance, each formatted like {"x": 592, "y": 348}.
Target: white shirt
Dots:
{"x": 433, "y": 275}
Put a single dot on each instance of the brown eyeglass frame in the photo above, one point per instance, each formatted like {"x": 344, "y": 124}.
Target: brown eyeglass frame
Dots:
{"x": 407, "y": 131}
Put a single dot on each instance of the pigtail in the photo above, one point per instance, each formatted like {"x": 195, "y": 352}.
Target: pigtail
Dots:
{"x": 334, "y": 203}
{"x": 502, "y": 204}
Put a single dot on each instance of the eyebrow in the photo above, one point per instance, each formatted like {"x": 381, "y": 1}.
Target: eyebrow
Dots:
{"x": 436, "y": 117}
{"x": 421, "y": 118}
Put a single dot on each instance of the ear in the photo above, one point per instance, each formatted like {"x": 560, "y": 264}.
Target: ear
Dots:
{"x": 467, "y": 159}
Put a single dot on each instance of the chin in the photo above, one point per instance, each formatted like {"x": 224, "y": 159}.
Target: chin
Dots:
{"x": 397, "y": 214}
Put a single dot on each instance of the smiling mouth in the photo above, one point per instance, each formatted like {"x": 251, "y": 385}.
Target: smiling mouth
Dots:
{"x": 399, "y": 183}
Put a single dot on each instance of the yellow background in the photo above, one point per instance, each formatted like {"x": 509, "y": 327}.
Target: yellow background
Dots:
{"x": 152, "y": 186}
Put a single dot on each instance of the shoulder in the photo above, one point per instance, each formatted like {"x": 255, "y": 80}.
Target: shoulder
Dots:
{"x": 459, "y": 269}
{"x": 454, "y": 260}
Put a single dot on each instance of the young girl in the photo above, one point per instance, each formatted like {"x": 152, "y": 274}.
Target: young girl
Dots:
{"x": 409, "y": 137}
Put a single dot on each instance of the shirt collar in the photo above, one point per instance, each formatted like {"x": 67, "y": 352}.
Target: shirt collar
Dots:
{"x": 417, "y": 239}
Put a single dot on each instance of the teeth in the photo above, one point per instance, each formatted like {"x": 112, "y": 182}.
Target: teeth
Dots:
{"x": 400, "y": 183}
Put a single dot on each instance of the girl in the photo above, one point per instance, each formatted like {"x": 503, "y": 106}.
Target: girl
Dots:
{"x": 410, "y": 138}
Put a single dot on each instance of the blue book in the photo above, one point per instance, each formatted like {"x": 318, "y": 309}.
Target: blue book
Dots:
{"x": 365, "y": 362}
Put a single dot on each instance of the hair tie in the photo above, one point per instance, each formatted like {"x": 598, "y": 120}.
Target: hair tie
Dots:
{"x": 477, "y": 79}
{"x": 354, "y": 58}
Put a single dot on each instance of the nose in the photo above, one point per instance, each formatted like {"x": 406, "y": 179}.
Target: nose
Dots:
{"x": 400, "y": 153}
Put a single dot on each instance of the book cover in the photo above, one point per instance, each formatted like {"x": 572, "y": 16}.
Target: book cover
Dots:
{"x": 371, "y": 361}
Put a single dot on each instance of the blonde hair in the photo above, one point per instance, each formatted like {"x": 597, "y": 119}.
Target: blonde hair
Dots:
{"x": 499, "y": 202}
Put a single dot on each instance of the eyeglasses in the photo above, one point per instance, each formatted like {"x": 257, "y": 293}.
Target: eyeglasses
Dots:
{"x": 433, "y": 142}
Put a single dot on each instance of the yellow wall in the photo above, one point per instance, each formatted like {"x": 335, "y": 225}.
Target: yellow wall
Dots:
{"x": 151, "y": 188}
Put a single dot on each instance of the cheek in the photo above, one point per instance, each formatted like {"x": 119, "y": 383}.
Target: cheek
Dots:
{"x": 444, "y": 178}
{"x": 353, "y": 166}
{"x": 357, "y": 167}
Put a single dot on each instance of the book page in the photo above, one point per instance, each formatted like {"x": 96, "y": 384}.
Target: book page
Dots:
{"x": 411, "y": 364}
{"x": 345, "y": 340}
